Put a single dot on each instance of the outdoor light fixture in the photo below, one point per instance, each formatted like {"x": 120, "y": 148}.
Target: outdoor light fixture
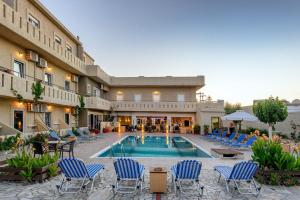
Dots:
{"x": 20, "y": 54}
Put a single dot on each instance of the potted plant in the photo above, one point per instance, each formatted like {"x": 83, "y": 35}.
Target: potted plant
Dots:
{"x": 196, "y": 129}
{"x": 206, "y": 129}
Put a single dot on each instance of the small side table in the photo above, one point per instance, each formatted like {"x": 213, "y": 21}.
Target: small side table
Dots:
{"x": 158, "y": 180}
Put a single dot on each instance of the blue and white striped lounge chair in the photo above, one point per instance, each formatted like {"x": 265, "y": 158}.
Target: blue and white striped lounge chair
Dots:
{"x": 240, "y": 139}
{"x": 74, "y": 170}
{"x": 229, "y": 139}
{"x": 247, "y": 144}
{"x": 130, "y": 176}
{"x": 187, "y": 171}
{"x": 241, "y": 172}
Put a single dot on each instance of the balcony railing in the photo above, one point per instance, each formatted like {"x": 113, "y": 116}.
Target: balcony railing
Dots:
{"x": 16, "y": 23}
{"x": 51, "y": 94}
{"x": 155, "y": 106}
{"x": 97, "y": 103}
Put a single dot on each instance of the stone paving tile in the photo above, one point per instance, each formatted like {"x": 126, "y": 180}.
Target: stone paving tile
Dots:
{"x": 213, "y": 189}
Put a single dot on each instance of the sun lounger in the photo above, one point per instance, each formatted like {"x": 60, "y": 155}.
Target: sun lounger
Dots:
{"x": 220, "y": 138}
{"x": 242, "y": 172}
{"x": 130, "y": 176}
{"x": 75, "y": 170}
{"x": 187, "y": 171}
{"x": 229, "y": 139}
{"x": 240, "y": 139}
{"x": 247, "y": 144}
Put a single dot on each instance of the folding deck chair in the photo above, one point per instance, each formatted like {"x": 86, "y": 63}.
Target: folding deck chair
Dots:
{"x": 229, "y": 139}
{"x": 74, "y": 170}
{"x": 247, "y": 144}
{"x": 187, "y": 172}
{"x": 242, "y": 172}
{"x": 130, "y": 176}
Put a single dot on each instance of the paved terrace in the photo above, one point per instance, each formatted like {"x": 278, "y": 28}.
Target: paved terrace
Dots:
{"x": 102, "y": 190}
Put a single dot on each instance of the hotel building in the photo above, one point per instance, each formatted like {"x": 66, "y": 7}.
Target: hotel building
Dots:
{"x": 37, "y": 49}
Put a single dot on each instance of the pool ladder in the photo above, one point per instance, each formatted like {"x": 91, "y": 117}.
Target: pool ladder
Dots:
{"x": 122, "y": 150}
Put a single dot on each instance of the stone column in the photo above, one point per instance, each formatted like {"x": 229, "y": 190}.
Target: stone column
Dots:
{"x": 133, "y": 120}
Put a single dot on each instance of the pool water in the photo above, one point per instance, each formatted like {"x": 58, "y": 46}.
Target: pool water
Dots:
{"x": 154, "y": 146}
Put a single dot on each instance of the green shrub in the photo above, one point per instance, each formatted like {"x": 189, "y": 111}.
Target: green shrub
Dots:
{"x": 274, "y": 179}
{"x": 8, "y": 142}
{"x": 28, "y": 163}
{"x": 270, "y": 155}
{"x": 52, "y": 170}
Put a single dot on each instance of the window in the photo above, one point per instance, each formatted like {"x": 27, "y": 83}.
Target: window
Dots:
{"x": 137, "y": 97}
{"x": 156, "y": 97}
{"x": 19, "y": 69}
{"x": 57, "y": 39}
{"x": 48, "y": 79}
{"x": 88, "y": 89}
{"x": 120, "y": 96}
{"x": 33, "y": 21}
{"x": 96, "y": 92}
{"x": 48, "y": 119}
{"x": 67, "y": 85}
{"x": 69, "y": 48}
{"x": 67, "y": 118}
{"x": 180, "y": 98}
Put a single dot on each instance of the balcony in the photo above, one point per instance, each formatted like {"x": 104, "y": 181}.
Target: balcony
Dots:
{"x": 52, "y": 94}
{"x": 155, "y": 106}
{"x": 97, "y": 103}
{"x": 15, "y": 27}
{"x": 211, "y": 106}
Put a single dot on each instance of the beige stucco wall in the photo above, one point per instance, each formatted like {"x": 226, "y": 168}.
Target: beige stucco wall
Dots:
{"x": 168, "y": 94}
{"x": 282, "y": 127}
{"x": 8, "y": 106}
{"x": 25, "y": 7}
{"x": 10, "y": 52}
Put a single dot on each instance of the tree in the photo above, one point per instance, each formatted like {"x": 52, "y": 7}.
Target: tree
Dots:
{"x": 270, "y": 111}
{"x": 231, "y": 108}
{"x": 37, "y": 90}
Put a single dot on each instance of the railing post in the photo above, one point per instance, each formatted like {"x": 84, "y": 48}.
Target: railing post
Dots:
{"x": 4, "y": 10}
{"x": 11, "y": 83}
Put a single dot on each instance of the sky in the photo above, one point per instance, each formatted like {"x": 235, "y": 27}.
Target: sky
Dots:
{"x": 246, "y": 49}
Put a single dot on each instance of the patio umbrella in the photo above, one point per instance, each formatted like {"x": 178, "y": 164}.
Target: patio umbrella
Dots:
{"x": 239, "y": 116}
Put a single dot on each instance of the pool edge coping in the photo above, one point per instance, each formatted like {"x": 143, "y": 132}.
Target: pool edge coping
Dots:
{"x": 120, "y": 140}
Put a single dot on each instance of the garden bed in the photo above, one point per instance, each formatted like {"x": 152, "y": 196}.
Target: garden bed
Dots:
{"x": 8, "y": 173}
{"x": 278, "y": 177}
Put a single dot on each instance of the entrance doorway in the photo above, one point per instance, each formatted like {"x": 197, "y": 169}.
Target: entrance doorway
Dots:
{"x": 19, "y": 120}
{"x": 182, "y": 124}
{"x": 95, "y": 121}
{"x": 215, "y": 122}
{"x": 152, "y": 124}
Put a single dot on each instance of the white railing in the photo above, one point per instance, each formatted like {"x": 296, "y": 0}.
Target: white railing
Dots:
{"x": 97, "y": 103}
{"x": 51, "y": 94}
{"x": 155, "y": 106}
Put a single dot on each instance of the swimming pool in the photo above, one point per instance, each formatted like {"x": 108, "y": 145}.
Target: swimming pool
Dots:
{"x": 153, "y": 146}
